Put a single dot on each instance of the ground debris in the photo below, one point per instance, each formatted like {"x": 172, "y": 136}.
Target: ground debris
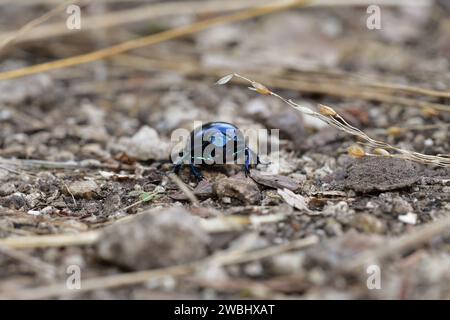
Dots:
{"x": 87, "y": 148}
{"x": 154, "y": 239}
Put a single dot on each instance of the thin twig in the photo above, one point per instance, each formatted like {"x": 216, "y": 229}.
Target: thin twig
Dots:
{"x": 184, "y": 188}
{"x": 65, "y": 165}
{"x": 70, "y": 192}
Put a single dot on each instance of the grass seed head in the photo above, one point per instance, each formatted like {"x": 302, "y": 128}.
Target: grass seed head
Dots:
{"x": 225, "y": 79}
{"x": 326, "y": 110}
{"x": 429, "y": 112}
{"x": 381, "y": 152}
{"x": 261, "y": 89}
{"x": 356, "y": 151}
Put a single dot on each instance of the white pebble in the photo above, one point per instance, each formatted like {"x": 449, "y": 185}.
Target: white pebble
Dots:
{"x": 410, "y": 218}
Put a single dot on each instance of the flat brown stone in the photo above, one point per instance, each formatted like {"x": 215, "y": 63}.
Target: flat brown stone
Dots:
{"x": 379, "y": 174}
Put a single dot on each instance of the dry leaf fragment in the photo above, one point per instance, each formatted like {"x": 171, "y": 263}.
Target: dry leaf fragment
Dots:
{"x": 295, "y": 200}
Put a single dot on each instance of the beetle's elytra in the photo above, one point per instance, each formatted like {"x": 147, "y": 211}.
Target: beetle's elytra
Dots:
{"x": 216, "y": 143}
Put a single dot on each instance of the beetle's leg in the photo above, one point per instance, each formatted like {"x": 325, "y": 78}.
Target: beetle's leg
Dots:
{"x": 177, "y": 166}
{"x": 247, "y": 162}
{"x": 196, "y": 172}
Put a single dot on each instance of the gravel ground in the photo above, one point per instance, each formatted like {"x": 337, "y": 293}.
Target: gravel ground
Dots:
{"x": 84, "y": 155}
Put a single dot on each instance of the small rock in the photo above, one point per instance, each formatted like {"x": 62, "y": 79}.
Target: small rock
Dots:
{"x": 337, "y": 209}
{"x": 6, "y": 189}
{"x": 154, "y": 240}
{"x": 274, "y": 181}
{"x": 16, "y": 200}
{"x": 291, "y": 126}
{"x": 48, "y": 210}
{"x": 409, "y": 218}
{"x": 33, "y": 199}
{"x": 401, "y": 206}
{"x": 30, "y": 88}
{"x": 34, "y": 212}
{"x": 323, "y": 137}
{"x": 338, "y": 251}
{"x": 367, "y": 223}
{"x": 244, "y": 190}
{"x": 253, "y": 269}
{"x": 333, "y": 227}
{"x": 82, "y": 189}
{"x": 145, "y": 145}
{"x": 226, "y": 200}
{"x": 285, "y": 264}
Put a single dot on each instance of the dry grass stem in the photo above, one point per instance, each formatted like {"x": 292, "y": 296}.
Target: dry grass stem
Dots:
{"x": 128, "y": 16}
{"x": 401, "y": 244}
{"x": 184, "y": 188}
{"x": 39, "y": 267}
{"x": 212, "y": 225}
{"x": 14, "y": 36}
{"x": 63, "y": 165}
{"x": 338, "y": 122}
{"x": 54, "y": 240}
{"x": 153, "y": 39}
{"x": 132, "y": 278}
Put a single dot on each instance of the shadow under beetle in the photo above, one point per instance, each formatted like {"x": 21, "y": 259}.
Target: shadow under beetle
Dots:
{"x": 216, "y": 143}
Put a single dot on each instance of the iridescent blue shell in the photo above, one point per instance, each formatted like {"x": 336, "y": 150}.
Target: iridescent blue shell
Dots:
{"x": 216, "y": 143}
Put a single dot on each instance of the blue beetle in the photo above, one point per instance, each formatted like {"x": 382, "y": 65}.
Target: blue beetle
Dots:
{"x": 216, "y": 143}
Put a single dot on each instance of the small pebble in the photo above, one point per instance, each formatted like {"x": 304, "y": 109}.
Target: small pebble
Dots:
{"x": 82, "y": 189}
{"x": 409, "y": 218}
